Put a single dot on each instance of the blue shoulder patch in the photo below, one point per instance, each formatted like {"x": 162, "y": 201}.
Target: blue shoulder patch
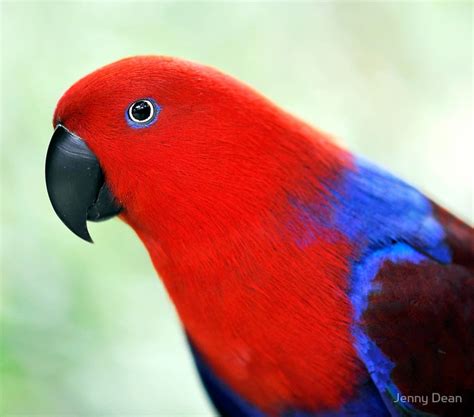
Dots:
{"x": 379, "y": 209}
{"x": 373, "y": 209}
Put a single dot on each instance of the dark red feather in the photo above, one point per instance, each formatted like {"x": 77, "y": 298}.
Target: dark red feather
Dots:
{"x": 422, "y": 319}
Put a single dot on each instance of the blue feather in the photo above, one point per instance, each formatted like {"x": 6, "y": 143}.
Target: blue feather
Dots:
{"x": 377, "y": 208}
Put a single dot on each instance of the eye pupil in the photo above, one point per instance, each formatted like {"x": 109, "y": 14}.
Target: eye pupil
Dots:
{"x": 141, "y": 111}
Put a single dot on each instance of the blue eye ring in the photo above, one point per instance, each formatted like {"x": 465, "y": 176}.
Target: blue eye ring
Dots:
{"x": 144, "y": 106}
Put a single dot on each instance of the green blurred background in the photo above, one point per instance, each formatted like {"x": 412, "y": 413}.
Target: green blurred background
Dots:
{"x": 87, "y": 330}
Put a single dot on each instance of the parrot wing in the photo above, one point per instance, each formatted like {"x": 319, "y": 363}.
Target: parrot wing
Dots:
{"x": 414, "y": 311}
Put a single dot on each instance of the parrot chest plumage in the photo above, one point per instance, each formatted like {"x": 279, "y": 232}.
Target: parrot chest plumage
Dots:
{"x": 262, "y": 294}
{"x": 251, "y": 313}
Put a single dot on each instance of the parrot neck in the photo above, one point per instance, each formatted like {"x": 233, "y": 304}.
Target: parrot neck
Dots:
{"x": 198, "y": 207}
{"x": 249, "y": 275}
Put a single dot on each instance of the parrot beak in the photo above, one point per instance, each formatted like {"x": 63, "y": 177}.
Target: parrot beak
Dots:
{"x": 75, "y": 182}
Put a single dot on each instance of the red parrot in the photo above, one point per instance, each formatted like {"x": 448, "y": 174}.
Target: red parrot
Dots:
{"x": 309, "y": 282}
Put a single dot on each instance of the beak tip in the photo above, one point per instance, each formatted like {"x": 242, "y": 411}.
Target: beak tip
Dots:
{"x": 87, "y": 238}
{"x": 79, "y": 229}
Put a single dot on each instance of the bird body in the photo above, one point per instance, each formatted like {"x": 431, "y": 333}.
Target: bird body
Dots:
{"x": 309, "y": 281}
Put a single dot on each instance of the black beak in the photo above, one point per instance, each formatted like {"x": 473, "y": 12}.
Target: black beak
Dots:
{"x": 75, "y": 183}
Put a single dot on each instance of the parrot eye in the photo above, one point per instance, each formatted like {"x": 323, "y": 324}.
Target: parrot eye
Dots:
{"x": 142, "y": 113}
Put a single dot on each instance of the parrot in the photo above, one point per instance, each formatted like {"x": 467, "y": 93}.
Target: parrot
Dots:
{"x": 309, "y": 281}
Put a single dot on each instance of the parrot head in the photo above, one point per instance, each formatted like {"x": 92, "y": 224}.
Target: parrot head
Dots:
{"x": 169, "y": 145}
